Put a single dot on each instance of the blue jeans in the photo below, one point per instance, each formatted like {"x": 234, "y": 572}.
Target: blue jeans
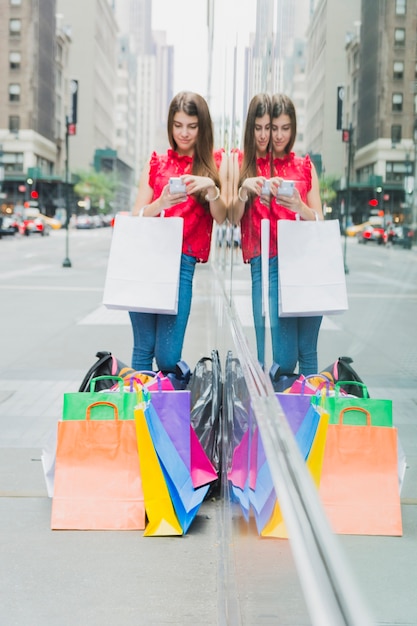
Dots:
{"x": 258, "y": 318}
{"x": 294, "y": 339}
{"x": 159, "y": 336}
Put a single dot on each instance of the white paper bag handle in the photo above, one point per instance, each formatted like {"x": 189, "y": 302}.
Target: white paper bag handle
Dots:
{"x": 141, "y": 212}
{"x": 298, "y": 218}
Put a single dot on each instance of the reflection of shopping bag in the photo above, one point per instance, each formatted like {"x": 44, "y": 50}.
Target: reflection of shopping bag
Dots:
{"x": 295, "y": 407}
{"x": 380, "y": 411}
{"x": 97, "y": 478}
{"x": 303, "y": 291}
{"x": 136, "y": 244}
{"x": 238, "y": 474}
{"x": 160, "y": 513}
{"x": 262, "y": 493}
{"x": 359, "y": 483}
{"x": 310, "y": 385}
{"x": 276, "y": 526}
{"x": 238, "y": 421}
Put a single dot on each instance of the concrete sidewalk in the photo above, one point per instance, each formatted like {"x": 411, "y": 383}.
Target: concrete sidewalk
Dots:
{"x": 221, "y": 572}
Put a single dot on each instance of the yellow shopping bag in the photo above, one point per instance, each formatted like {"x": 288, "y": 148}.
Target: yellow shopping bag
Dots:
{"x": 160, "y": 513}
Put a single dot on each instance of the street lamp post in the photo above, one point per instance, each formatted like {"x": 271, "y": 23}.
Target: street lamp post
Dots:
{"x": 66, "y": 262}
{"x": 347, "y": 135}
{"x": 414, "y": 215}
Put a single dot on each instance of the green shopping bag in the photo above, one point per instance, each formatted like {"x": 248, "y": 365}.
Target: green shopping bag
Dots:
{"x": 76, "y": 403}
{"x": 380, "y": 410}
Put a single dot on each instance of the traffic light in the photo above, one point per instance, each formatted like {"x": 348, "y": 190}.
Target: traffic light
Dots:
{"x": 34, "y": 194}
{"x": 345, "y": 135}
{"x": 373, "y": 202}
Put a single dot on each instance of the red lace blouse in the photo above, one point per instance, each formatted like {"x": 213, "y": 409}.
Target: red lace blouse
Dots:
{"x": 198, "y": 222}
{"x": 294, "y": 168}
{"x": 250, "y": 225}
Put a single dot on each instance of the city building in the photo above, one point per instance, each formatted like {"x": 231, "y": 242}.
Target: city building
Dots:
{"x": 30, "y": 127}
{"x": 325, "y": 70}
{"x": 385, "y": 122}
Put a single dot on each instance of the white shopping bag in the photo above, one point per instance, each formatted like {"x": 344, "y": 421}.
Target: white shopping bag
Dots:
{"x": 144, "y": 264}
{"x": 310, "y": 268}
{"x": 265, "y": 231}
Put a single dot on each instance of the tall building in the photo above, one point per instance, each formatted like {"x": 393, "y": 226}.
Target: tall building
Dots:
{"x": 325, "y": 70}
{"x": 27, "y": 99}
{"x": 153, "y": 61}
{"x": 384, "y": 134}
{"x": 93, "y": 62}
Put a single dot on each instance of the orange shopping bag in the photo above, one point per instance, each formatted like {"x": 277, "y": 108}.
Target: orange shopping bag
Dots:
{"x": 97, "y": 476}
{"x": 359, "y": 483}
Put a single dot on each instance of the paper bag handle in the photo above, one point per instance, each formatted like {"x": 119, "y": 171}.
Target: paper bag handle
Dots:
{"x": 355, "y": 408}
{"x": 113, "y": 406}
{"x": 351, "y": 383}
{"x": 298, "y": 217}
{"x": 141, "y": 212}
{"x": 325, "y": 383}
{"x": 94, "y": 380}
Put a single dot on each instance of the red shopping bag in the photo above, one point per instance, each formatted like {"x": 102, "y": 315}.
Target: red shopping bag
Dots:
{"x": 97, "y": 477}
{"x": 359, "y": 483}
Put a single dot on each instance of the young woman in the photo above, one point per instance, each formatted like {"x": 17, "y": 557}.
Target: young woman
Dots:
{"x": 251, "y": 168}
{"x": 191, "y": 158}
{"x": 293, "y": 339}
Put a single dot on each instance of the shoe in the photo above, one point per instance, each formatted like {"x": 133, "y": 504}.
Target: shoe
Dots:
{"x": 181, "y": 377}
{"x": 280, "y": 382}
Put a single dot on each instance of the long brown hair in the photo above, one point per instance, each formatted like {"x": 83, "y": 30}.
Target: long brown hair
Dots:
{"x": 282, "y": 104}
{"x": 259, "y": 106}
{"x": 203, "y": 161}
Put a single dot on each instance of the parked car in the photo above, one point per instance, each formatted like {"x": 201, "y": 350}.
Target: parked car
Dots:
{"x": 9, "y": 225}
{"x": 371, "y": 233}
{"x": 400, "y": 235}
{"x": 84, "y": 222}
{"x": 97, "y": 221}
{"x": 32, "y": 222}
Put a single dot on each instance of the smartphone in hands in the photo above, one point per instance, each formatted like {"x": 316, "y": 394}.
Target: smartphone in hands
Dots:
{"x": 176, "y": 185}
{"x": 286, "y": 188}
{"x": 266, "y": 188}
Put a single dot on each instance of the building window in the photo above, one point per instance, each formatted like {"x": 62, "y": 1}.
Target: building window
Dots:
{"x": 400, "y": 7}
{"x": 14, "y": 60}
{"x": 14, "y": 92}
{"x": 15, "y": 3}
{"x": 13, "y": 162}
{"x": 397, "y": 102}
{"x": 396, "y": 133}
{"x": 399, "y": 36}
{"x": 398, "y": 70}
{"x": 15, "y": 28}
{"x": 395, "y": 171}
{"x": 14, "y": 123}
